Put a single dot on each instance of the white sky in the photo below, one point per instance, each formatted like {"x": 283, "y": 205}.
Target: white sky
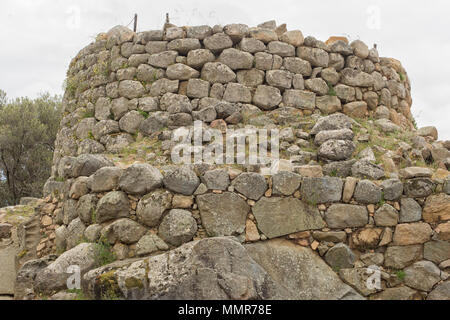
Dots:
{"x": 38, "y": 38}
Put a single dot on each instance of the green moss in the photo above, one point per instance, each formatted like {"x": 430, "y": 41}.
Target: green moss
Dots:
{"x": 22, "y": 254}
{"x": 331, "y": 91}
{"x": 104, "y": 254}
{"x": 108, "y": 286}
{"x": 71, "y": 85}
{"x": 400, "y": 275}
{"x": 131, "y": 283}
{"x": 94, "y": 216}
{"x": 88, "y": 114}
{"x": 144, "y": 114}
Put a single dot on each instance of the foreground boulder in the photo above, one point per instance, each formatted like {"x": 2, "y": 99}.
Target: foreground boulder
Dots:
{"x": 53, "y": 278}
{"x": 221, "y": 269}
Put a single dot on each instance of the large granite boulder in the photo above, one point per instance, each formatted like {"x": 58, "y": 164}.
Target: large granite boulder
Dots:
{"x": 222, "y": 269}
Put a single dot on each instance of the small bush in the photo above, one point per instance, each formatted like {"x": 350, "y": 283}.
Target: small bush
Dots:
{"x": 331, "y": 91}
{"x": 144, "y": 114}
{"x": 400, "y": 274}
{"x": 104, "y": 254}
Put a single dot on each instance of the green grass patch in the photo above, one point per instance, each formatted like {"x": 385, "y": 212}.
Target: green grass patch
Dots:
{"x": 104, "y": 254}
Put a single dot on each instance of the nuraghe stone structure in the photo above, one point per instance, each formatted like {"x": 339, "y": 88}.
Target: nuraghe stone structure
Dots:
{"x": 359, "y": 207}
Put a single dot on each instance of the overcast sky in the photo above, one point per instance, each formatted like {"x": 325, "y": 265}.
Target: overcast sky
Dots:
{"x": 40, "y": 37}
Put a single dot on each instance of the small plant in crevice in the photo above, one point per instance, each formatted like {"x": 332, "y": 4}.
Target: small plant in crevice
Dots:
{"x": 94, "y": 216}
{"x": 400, "y": 275}
{"x": 144, "y": 114}
{"x": 79, "y": 294}
{"x": 104, "y": 254}
{"x": 382, "y": 200}
{"x": 331, "y": 91}
{"x": 88, "y": 114}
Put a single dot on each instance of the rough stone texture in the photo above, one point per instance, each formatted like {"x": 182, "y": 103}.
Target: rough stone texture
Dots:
{"x": 140, "y": 179}
{"x": 437, "y": 208}
{"x": 367, "y": 170}
{"x": 282, "y": 216}
{"x": 413, "y": 233}
{"x": 234, "y": 275}
{"x": 386, "y": 216}
{"x": 131, "y": 89}
{"x": 127, "y": 231}
{"x": 237, "y": 93}
{"x": 357, "y": 278}
{"x": 113, "y": 205}
{"x": 181, "y": 71}
{"x": 152, "y": 206}
{"x": 341, "y": 216}
{"x": 422, "y": 275}
{"x": 441, "y": 292}
{"x": 342, "y": 134}
{"x": 330, "y": 236}
{"x": 367, "y": 192}
{"x": 279, "y": 78}
{"x": 218, "y": 179}
{"x": 182, "y": 180}
{"x": 332, "y": 122}
{"x": 415, "y": 172}
{"x": 86, "y": 208}
{"x": 105, "y": 179}
{"x": 419, "y": 187}
{"x": 84, "y": 165}
{"x": 218, "y": 42}
{"x": 322, "y": 190}
{"x": 410, "y": 210}
{"x": 299, "y": 99}
{"x": 285, "y": 183}
{"x": 428, "y": 132}
{"x": 392, "y": 189}
{"x": 317, "y": 57}
{"x": 356, "y": 78}
{"x": 356, "y": 109}
{"x": 149, "y": 244}
{"x": 53, "y": 277}
{"x": 313, "y": 280}
{"x": 5, "y": 230}
{"x": 397, "y": 294}
{"x": 437, "y": 251}
{"x": 340, "y": 257}
{"x": 8, "y": 270}
{"x": 216, "y": 72}
{"x": 298, "y": 66}
{"x": 244, "y": 72}
{"x": 223, "y": 214}
{"x": 399, "y": 257}
{"x": 337, "y": 150}
{"x": 251, "y": 185}
{"x": 178, "y": 227}
{"x": 236, "y": 59}
{"x": 74, "y": 233}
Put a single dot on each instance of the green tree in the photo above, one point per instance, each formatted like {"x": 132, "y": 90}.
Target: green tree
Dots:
{"x": 28, "y": 129}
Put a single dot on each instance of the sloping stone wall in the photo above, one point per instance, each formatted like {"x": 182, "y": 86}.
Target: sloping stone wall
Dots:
{"x": 125, "y": 87}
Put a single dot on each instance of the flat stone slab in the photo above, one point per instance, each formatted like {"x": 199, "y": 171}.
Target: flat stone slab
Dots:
{"x": 7, "y": 270}
{"x": 278, "y": 217}
{"x": 416, "y": 172}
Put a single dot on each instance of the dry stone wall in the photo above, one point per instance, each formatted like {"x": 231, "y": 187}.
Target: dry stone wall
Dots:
{"x": 126, "y": 88}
